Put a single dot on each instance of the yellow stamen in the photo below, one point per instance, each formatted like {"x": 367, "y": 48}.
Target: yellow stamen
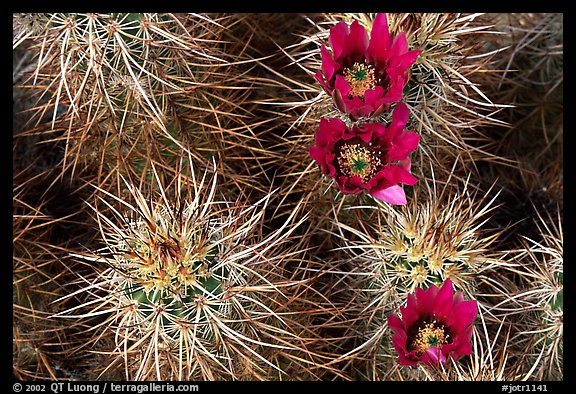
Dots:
{"x": 430, "y": 334}
{"x": 358, "y": 160}
{"x": 361, "y": 78}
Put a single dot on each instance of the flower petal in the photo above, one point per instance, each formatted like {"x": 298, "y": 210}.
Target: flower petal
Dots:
{"x": 405, "y": 164}
{"x": 381, "y": 108}
{"x": 345, "y": 187}
{"x": 317, "y": 155}
{"x": 403, "y": 144}
{"x": 394, "y": 195}
{"x": 329, "y": 65}
{"x": 400, "y": 117}
{"x": 342, "y": 86}
{"x": 374, "y": 97}
{"x": 405, "y": 361}
{"x": 398, "y": 67}
{"x": 395, "y": 323}
{"x": 399, "y": 342}
{"x": 331, "y": 170}
{"x": 356, "y": 109}
{"x": 338, "y": 100}
{"x": 357, "y": 41}
{"x": 461, "y": 346}
{"x": 463, "y": 314}
{"x": 406, "y": 60}
{"x": 444, "y": 301}
{"x": 364, "y": 131}
{"x": 395, "y": 88}
{"x": 397, "y": 174}
{"x": 425, "y": 299}
{"x": 399, "y": 45}
{"x": 433, "y": 356}
{"x": 356, "y": 181}
{"x": 329, "y": 132}
{"x": 410, "y": 313}
{"x": 320, "y": 78}
{"x": 464, "y": 350}
{"x": 337, "y": 39}
{"x": 379, "y": 47}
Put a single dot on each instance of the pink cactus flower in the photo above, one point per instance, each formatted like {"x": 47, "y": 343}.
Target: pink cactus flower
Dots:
{"x": 436, "y": 325}
{"x": 365, "y": 75}
{"x": 369, "y": 158}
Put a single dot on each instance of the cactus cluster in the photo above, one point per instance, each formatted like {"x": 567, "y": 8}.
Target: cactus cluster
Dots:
{"x": 424, "y": 243}
{"x": 190, "y": 287}
{"x": 237, "y": 196}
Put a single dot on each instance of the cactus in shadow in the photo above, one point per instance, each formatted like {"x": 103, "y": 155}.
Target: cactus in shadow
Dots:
{"x": 108, "y": 90}
{"x": 538, "y": 331}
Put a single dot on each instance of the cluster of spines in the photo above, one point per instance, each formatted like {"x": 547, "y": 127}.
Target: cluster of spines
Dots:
{"x": 448, "y": 119}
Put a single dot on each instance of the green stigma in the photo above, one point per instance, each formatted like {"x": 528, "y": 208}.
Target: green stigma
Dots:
{"x": 359, "y": 73}
{"x": 428, "y": 335}
{"x": 361, "y": 78}
{"x": 358, "y": 160}
{"x": 358, "y": 166}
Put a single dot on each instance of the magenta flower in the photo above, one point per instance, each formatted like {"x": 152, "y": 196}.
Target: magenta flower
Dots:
{"x": 365, "y": 76}
{"x": 368, "y": 158}
{"x": 436, "y": 325}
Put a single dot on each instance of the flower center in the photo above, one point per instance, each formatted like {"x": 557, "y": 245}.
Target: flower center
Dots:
{"x": 361, "y": 78}
{"x": 358, "y": 160}
{"x": 428, "y": 335}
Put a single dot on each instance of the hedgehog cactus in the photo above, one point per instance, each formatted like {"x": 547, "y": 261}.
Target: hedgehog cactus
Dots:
{"x": 370, "y": 168}
{"x": 427, "y": 242}
{"x": 446, "y": 90}
{"x": 534, "y": 141}
{"x": 191, "y": 290}
{"x": 433, "y": 238}
{"x": 447, "y": 117}
{"x": 541, "y": 266}
{"x": 101, "y": 65}
{"x": 112, "y": 88}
